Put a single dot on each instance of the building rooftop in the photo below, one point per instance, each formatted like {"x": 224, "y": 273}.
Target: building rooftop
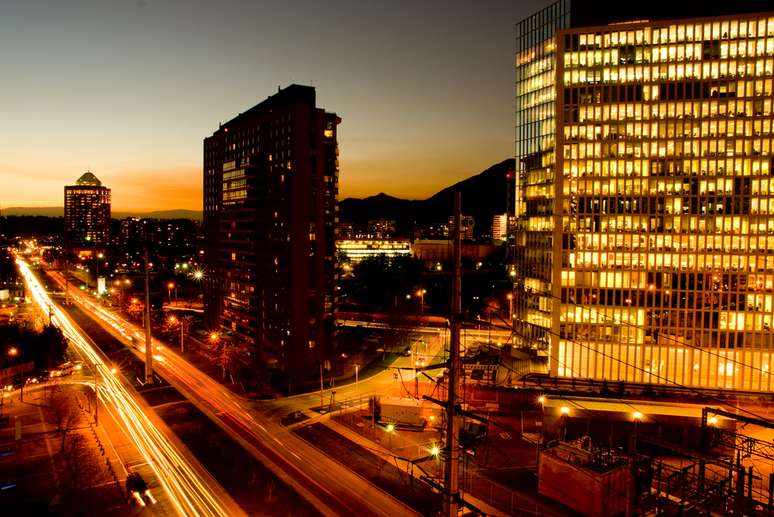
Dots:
{"x": 88, "y": 179}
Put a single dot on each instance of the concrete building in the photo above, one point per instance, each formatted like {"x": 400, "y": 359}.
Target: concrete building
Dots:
{"x": 500, "y": 227}
{"x": 270, "y": 208}
{"x": 468, "y": 224}
{"x": 86, "y": 215}
{"x": 355, "y": 250}
{"x": 644, "y": 247}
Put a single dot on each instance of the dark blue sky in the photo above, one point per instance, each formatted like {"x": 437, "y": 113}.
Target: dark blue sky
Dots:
{"x": 130, "y": 89}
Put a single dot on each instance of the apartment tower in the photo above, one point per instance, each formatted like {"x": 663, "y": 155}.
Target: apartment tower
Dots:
{"x": 270, "y": 188}
{"x": 86, "y": 215}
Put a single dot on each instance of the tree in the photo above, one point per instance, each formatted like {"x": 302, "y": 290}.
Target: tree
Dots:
{"x": 81, "y": 463}
{"x": 234, "y": 358}
{"x": 64, "y": 412}
{"x": 45, "y": 348}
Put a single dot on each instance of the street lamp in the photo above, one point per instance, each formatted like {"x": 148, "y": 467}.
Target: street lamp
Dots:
{"x": 510, "y": 306}
{"x": 542, "y": 401}
{"x": 13, "y": 352}
{"x": 390, "y": 429}
{"x": 357, "y": 371}
{"x": 172, "y": 320}
{"x": 170, "y": 286}
{"x": 100, "y": 256}
{"x": 435, "y": 452}
{"x": 421, "y": 295}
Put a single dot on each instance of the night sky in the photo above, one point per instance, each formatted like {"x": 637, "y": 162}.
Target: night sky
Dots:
{"x": 129, "y": 89}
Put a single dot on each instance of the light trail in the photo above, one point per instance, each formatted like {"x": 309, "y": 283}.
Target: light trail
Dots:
{"x": 336, "y": 489}
{"x": 189, "y": 493}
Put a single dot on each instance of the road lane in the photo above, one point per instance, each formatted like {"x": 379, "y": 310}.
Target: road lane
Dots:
{"x": 330, "y": 486}
{"x": 191, "y": 490}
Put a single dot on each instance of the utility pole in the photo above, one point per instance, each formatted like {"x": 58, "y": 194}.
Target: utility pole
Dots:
{"x": 148, "y": 342}
{"x": 67, "y": 281}
{"x": 451, "y": 472}
{"x": 96, "y": 396}
{"x": 182, "y": 337}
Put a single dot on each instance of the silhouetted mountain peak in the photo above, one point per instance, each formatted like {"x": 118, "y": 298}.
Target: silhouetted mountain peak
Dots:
{"x": 483, "y": 195}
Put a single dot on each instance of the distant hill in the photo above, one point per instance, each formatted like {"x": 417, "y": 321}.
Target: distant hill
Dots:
{"x": 162, "y": 214}
{"x": 58, "y": 211}
{"x": 483, "y": 195}
{"x": 46, "y": 211}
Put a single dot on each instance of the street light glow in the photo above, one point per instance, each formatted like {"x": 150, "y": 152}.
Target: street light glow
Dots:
{"x": 13, "y": 351}
{"x": 637, "y": 416}
{"x": 564, "y": 410}
{"x": 390, "y": 428}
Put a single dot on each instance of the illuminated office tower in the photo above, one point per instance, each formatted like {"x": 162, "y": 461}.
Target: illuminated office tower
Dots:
{"x": 86, "y": 215}
{"x": 270, "y": 189}
{"x": 645, "y": 242}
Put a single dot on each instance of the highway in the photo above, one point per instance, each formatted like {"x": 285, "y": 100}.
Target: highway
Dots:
{"x": 330, "y": 486}
{"x": 187, "y": 485}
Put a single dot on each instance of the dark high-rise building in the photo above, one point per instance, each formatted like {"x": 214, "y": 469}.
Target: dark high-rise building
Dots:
{"x": 270, "y": 187}
{"x": 86, "y": 215}
{"x": 644, "y": 146}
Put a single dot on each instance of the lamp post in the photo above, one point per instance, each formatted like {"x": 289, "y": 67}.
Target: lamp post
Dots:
{"x": 435, "y": 451}
{"x": 170, "y": 286}
{"x": 214, "y": 338}
{"x": 390, "y": 429}
{"x": 510, "y": 307}
{"x": 421, "y": 295}
{"x": 357, "y": 371}
{"x": 542, "y": 402}
{"x": 100, "y": 256}
{"x": 96, "y": 395}
{"x": 13, "y": 352}
{"x": 181, "y": 321}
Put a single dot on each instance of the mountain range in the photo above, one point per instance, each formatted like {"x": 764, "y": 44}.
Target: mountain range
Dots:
{"x": 483, "y": 196}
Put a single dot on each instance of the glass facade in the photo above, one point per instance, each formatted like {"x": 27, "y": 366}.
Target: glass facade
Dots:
{"x": 658, "y": 228}
{"x": 535, "y": 151}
